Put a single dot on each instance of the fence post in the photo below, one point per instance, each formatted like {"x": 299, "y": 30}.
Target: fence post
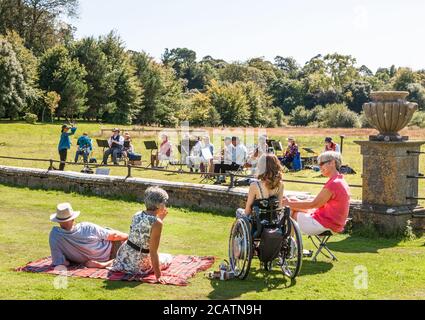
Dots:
{"x": 51, "y": 165}
{"x": 128, "y": 171}
{"x": 232, "y": 181}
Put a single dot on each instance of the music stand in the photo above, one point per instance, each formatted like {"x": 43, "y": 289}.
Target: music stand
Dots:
{"x": 277, "y": 145}
{"x": 270, "y": 143}
{"x": 309, "y": 150}
{"x": 151, "y": 145}
{"x": 102, "y": 144}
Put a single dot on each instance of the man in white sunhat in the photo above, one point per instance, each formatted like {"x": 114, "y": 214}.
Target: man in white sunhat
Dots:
{"x": 82, "y": 243}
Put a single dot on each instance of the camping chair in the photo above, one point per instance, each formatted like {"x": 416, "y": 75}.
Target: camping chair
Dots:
{"x": 321, "y": 243}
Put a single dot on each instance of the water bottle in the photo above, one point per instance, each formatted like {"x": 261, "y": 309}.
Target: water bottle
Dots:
{"x": 223, "y": 270}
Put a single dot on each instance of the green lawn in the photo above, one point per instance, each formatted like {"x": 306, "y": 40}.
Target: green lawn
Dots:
{"x": 396, "y": 269}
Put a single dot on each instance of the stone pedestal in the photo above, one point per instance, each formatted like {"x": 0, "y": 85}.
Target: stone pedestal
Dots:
{"x": 388, "y": 192}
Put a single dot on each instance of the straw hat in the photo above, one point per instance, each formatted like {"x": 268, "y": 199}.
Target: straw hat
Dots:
{"x": 64, "y": 213}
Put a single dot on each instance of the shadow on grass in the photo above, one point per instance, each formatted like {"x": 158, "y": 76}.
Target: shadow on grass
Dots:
{"x": 116, "y": 285}
{"x": 260, "y": 280}
{"x": 355, "y": 244}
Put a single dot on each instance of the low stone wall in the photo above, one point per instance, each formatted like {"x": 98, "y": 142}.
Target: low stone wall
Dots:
{"x": 201, "y": 196}
{"x": 181, "y": 194}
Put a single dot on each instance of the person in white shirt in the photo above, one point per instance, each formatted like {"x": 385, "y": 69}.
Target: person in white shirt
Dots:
{"x": 194, "y": 160}
{"x": 116, "y": 145}
{"x": 197, "y": 159}
{"x": 235, "y": 156}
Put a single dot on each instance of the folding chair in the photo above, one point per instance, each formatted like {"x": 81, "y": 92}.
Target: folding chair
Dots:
{"x": 321, "y": 243}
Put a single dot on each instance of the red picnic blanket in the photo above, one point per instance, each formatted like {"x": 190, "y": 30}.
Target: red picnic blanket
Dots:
{"x": 180, "y": 270}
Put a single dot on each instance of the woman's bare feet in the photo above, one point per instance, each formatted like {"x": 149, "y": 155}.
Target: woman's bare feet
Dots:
{"x": 98, "y": 265}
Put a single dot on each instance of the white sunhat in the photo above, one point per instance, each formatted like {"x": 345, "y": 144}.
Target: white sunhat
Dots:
{"x": 64, "y": 213}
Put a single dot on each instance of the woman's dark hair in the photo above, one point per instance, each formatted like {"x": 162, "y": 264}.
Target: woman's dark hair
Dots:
{"x": 272, "y": 171}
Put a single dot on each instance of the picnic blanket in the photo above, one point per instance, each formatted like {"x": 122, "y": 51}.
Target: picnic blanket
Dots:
{"x": 182, "y": 268}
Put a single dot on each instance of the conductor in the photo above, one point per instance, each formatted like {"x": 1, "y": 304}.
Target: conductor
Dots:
{"x": 116, "y": 145}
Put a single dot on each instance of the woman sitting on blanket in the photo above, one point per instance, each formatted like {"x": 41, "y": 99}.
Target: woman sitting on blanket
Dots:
{"x": 139, "y": 255}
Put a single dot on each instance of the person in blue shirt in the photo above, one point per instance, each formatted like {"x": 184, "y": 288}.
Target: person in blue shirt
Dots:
{"x": 65, "y": 144}
{"x": 85, "y": 147}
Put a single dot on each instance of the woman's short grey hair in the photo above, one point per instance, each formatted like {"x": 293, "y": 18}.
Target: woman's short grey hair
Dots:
{"x": 329, "y": 156}
{"x": 154, "y": 197}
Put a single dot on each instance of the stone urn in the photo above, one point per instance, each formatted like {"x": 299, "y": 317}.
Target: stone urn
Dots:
{"x": 389, "y": 113}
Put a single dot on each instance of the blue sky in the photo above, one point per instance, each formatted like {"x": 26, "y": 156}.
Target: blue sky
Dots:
{"x": 376, "y": 32}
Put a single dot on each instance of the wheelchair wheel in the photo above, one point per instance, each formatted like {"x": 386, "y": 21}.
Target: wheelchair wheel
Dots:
{"x": 240, "y": 248}
{"x": 291, "y": 254}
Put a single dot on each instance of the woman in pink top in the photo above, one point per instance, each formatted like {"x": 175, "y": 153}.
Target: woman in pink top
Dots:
{"x": 165, "y": 150}
{"x": 332, "y": 203}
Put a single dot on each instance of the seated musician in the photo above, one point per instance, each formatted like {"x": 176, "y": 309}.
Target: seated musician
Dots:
{"x": 329, "y": 210}
{"x": 116, "y": 145}
{"x": 263, "y": 147}
{"x": 290, "y": 153}
{"x": 128, "y": 150}
{"x": 184, "y": 149}
{"x": 252, "y": 160}
{"x": 268, "y": 187}
{"x": 235, "y": 157}
{"x": 197, "y": 161}
{"x": 165, "y": 150}
{"x": 331, "y": 146}
{"x": 194, "y": 160}
{"x": 207, "y": 145}
{"x": 220, "y": 159}
{"x": 84, "y": 148}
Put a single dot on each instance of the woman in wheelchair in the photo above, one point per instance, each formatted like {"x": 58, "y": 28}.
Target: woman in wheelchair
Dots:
{"x": 267, "y": 191}
{"x": 264, "y": 228}
{"x": 329, "y": 210}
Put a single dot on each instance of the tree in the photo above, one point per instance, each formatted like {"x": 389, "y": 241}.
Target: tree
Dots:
{"x": 125, "y": 104}
{"x": 100, "y": 78}
{"x": 29, "y": 65}
{"x": 60, "y": 73}
{"x": 199, "y": 110}
{"x": 356, "y": 94}
{"x": 239, "y": 72}
{"x": 287, "y": 93}
{"x": 127, "y": 97}
{"x": 417, "y": 94}
{"x": 403, "y": 78}
{"x": 183, "y": 61}
{"x": 230, "y": 102}
{"x": 260, "y": 105}
{"x": 288, "y": 65}
{"x": 37, "y": 21}
{"x": 162, "y": 96}
{"x": 13, "y": 91}
{"x": 51, "y": 100}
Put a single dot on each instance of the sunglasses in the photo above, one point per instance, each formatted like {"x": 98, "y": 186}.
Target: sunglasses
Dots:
{"x": 323, "y": 163}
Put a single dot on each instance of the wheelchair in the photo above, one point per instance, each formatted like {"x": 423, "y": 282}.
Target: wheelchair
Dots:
{"x": 271, "y": 235}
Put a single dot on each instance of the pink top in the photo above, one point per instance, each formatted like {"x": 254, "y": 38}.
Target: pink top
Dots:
{"x": 165, "y": 149}
{"x": 333, "y": 215}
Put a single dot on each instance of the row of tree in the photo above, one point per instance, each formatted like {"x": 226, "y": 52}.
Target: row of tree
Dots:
{"x": 45, "y": 71}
